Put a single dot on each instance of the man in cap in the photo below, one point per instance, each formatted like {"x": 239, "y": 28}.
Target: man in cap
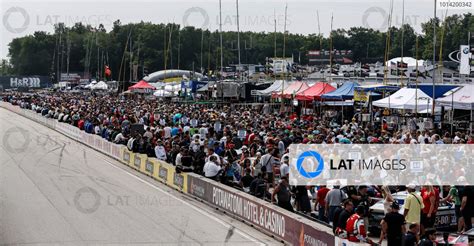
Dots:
{"x": 393, "y": 226}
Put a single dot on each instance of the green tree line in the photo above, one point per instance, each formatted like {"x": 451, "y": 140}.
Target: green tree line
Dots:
{"x": 83, "y": 48}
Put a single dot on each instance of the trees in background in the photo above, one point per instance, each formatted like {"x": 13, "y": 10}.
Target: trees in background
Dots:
{"x": 156, "y": 46}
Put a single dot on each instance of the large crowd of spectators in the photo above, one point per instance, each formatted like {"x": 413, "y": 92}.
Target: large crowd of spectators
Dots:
{"x": 247, "y": 147}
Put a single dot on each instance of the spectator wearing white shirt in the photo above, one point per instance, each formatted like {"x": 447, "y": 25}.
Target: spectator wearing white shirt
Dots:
{"x": 203, "y": 131}
{"x": 160, "y": 151}
{"x": 120, "y": 138}
{"x": 211, "y": 169}
{"x": 211, "y": 153}
{"x": 284, "y": 168}
{"x": 167, "y": 132}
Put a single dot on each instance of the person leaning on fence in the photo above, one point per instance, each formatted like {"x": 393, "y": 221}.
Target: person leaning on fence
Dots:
{"x": 282, "y": 192}
{"x": 340, "y": 218}
{"x": 211, "y": 168}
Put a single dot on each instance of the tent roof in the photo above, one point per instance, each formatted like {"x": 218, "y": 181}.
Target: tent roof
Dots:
{"x": 141, "y": 85}
{"x": 461, "y": 99}
{"x": 346, "y": 91}
{"x": 406, "y": 98}
{"x": 408, "y": 60}
{"x": 377, "y": 87}
{"x": 275, "y": 87}
{"x": 294, "y": 88}
{"x": 101, "y": 85}
{"x": 314, "y": 92}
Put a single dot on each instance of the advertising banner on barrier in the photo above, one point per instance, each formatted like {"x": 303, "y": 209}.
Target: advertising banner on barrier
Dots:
{"x": 263, "y": 215}
{"x": 167, "y": 174}
{"x": 116, "y": 150}
{"x": 106, "y": 146}
{"x": 97, "y": 142}
{"x": 151, "y": 167}
{"x": 139, "y": 161}
{"x": 126, "y": 156}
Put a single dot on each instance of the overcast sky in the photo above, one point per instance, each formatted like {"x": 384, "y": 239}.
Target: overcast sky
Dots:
{"x": 20, "y": 18}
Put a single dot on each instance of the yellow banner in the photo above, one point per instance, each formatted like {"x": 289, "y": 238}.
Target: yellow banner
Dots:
{"x": 361, "y": 96}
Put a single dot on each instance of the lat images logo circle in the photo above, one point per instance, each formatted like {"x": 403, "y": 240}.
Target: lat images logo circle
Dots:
{"x": 199, "y": 11}
{"x": 317, "y": 157}
{"x": 16, "y": 10}
{"x": 375, "y": 12}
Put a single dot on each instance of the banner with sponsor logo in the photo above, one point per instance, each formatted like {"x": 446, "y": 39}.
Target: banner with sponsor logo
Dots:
{"x": 32, "y": 82}
{"x": 263, "y": 215}
{"x": 116, "y": 150}
{"x": 138, "y": 161}
{"x": 151, "y": 167}
{"x": 382, "y": 164}
{"x": 127, "y": 156}
{"x": 167, "y": 174}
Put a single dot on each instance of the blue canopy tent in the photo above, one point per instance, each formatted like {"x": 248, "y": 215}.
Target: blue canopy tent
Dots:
{"x": 440, "y": 90}
{"x": 345, "y": 92}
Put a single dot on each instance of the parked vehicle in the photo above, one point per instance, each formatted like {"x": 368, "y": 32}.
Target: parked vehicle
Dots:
{"x": 445, "y": 217}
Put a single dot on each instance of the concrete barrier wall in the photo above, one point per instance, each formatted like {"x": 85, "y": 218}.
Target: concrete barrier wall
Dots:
{"x": 268, "y": 218}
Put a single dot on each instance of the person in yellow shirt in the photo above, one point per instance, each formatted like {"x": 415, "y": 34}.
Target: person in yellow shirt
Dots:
{"x": 413, "y": 206}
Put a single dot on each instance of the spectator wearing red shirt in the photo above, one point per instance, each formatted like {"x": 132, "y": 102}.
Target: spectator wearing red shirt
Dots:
{"x": 80, "y": 124}
{"x": 321, "y": 203}
{"x": 470, "y": 140}
{"x": 428, "y": 214}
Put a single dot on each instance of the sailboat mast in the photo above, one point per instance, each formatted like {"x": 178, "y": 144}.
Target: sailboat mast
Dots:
{"x": 434, "y": 57}
{"x": 238, "y": 30}
{"x": 403, "y": 31}
{"x": 220, "y": 33}
{"x": 275, "y": 33}
{"x": 319, "y": 34}
{"x": 284, "y": 32}
{"x": 330, "y": 50}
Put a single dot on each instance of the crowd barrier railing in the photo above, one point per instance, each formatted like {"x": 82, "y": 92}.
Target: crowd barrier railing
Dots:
{"x": 268, "y": 218}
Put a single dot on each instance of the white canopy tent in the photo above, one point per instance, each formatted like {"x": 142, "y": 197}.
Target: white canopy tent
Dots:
{"x": 410, "y": 61}
{"x": 101, "y": 85}
{"x": 461, "y": 99}
{"x": 406, "y": 98}
{"x": 278, "y": 85}
{"x": 89, "y": 86}
{"x": 163, "y": 93}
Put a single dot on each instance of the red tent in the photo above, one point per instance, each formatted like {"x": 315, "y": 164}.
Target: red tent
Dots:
{"x": 314, "y": 92}
{"x": 291, "y": 90}
{"x": 141, "y": 85}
